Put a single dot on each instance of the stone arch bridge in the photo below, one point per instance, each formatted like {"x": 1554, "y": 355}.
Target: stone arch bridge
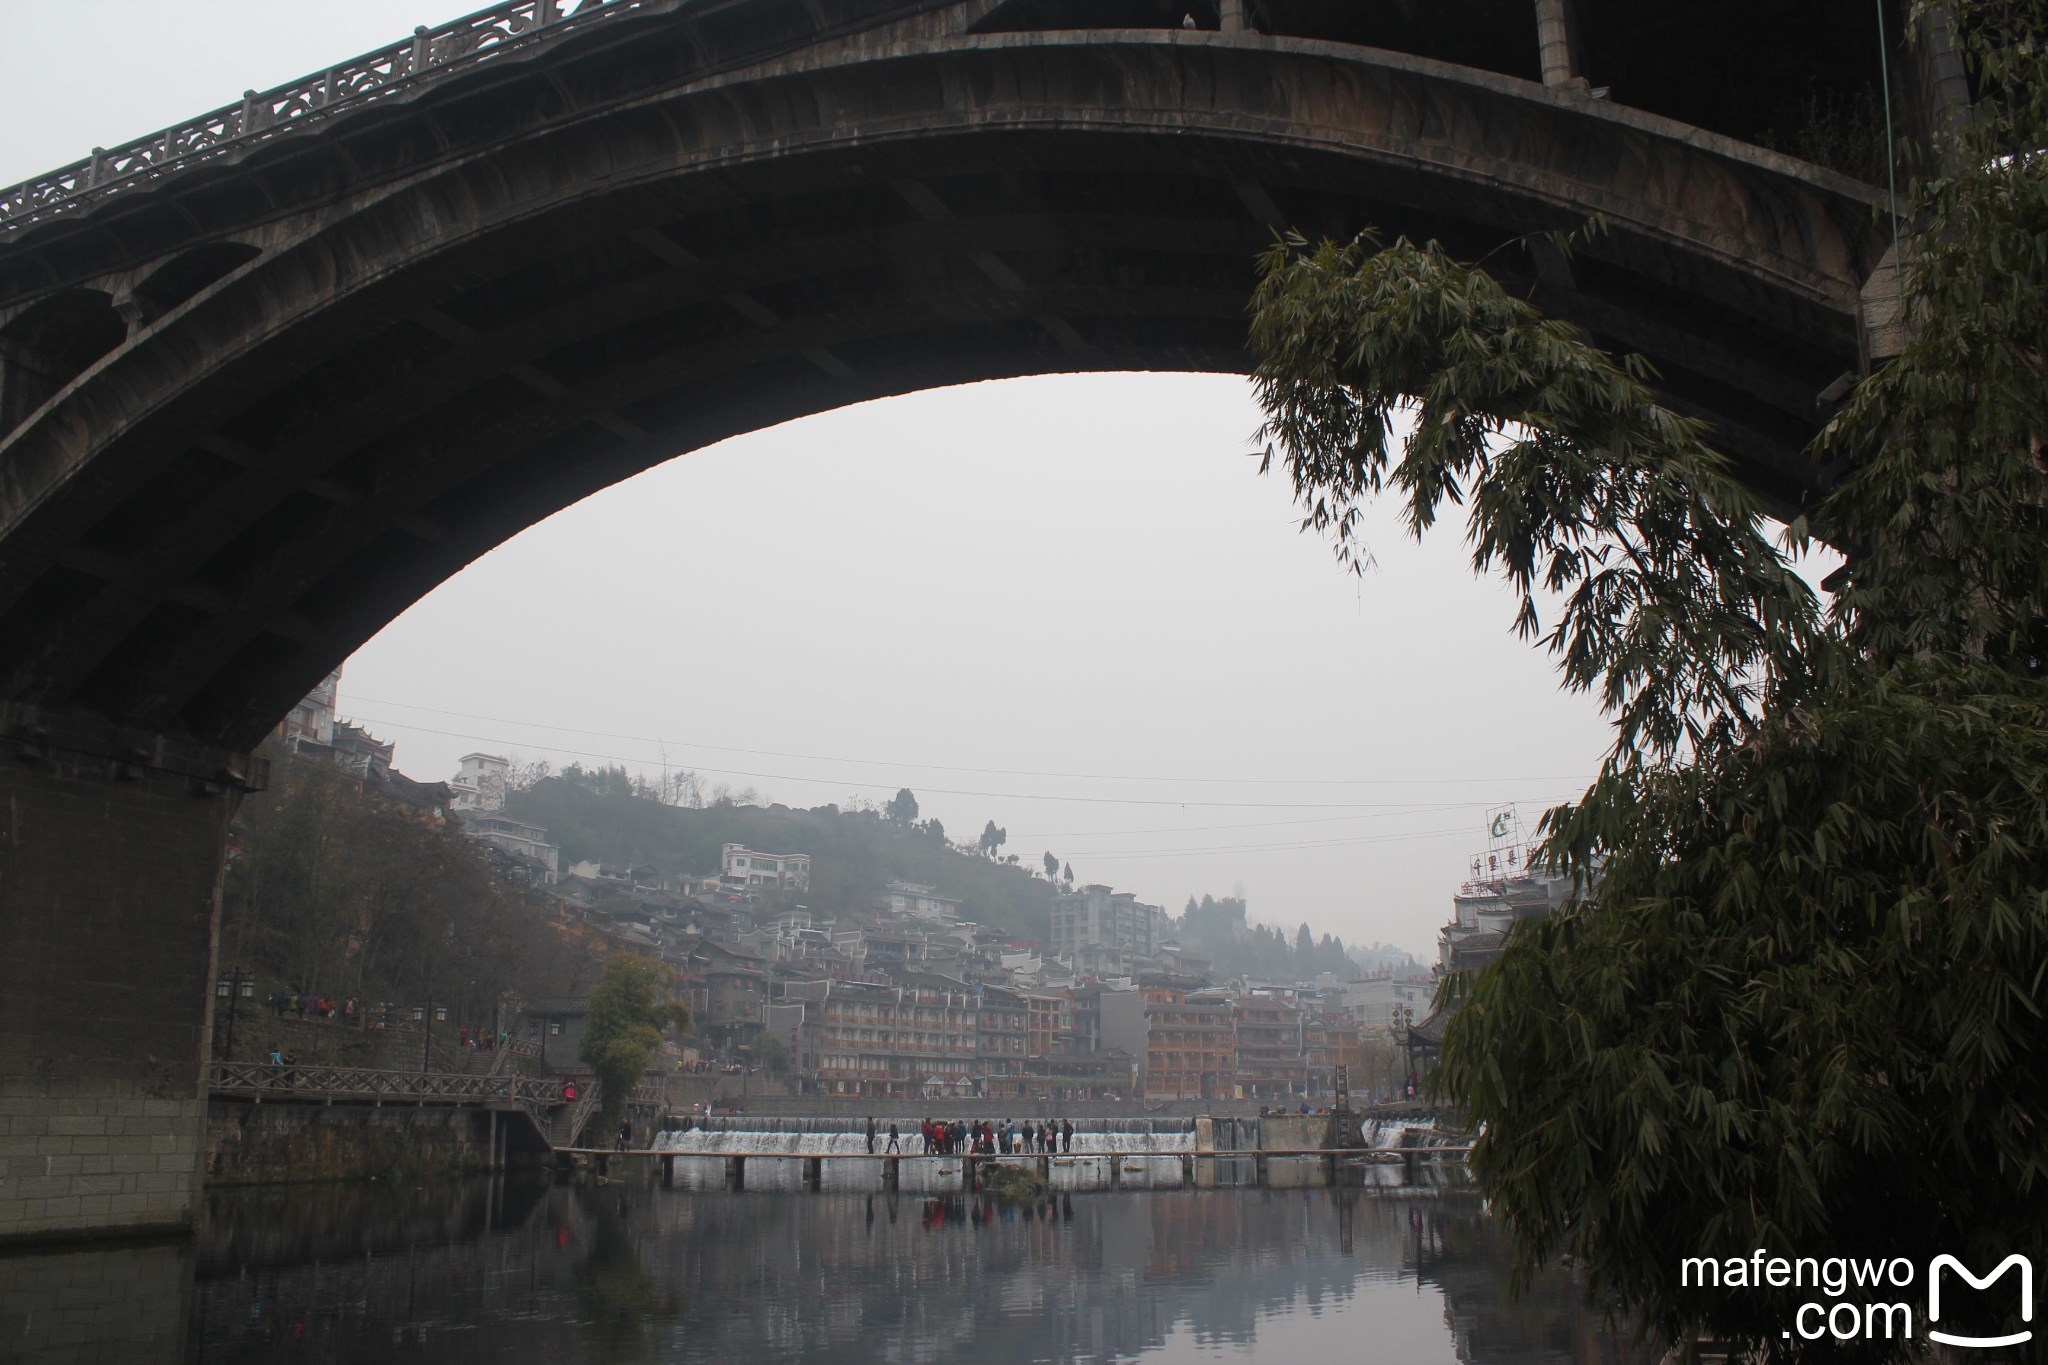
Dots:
{"x": 269, "y": 376}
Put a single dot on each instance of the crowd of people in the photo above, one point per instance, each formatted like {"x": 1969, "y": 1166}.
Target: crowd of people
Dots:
{"x": 302, "y": 1003}
{"x": 705, "y": 1067}
{"x": 986, "y": 1138}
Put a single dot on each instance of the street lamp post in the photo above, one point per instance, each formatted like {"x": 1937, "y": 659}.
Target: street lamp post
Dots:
{"x": 233, "y": 988}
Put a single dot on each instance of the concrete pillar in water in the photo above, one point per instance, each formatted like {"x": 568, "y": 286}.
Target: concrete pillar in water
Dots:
{"x": 1233, "y": 16}
{"x": 1203, "y": 1169}
{"x": 668, "y": 1172}
{"x": 736, "y": 1172}
{"x": 814, "y": 1172}
{"x": 110, "y": 867}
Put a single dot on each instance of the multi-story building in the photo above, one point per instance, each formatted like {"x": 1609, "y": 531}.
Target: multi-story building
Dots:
{"x": 742, "y": 868}
{"x": 1182, "y": 1033}
{"x": 1083, "y": 1034}
{"x": 725, "y": 992}
{"x": 1046, "y": 1018}
{"x": 1483, "y": 911}
{"x": 919, "y": 902}
{"x": 1001, "y": 1033}
{"x": 529, "y": 843}
{"x": 481, "y": 784}
{"x": 361, "y": 753}
{"x": 1345, "y": 1036}
{"x": 1376, "y": 1001}
{"x": 918, "y": 1036}
{"x": 1271, "y": 1061}
{"x": 312, "y": 720}
{"x": 1116, "y": 923}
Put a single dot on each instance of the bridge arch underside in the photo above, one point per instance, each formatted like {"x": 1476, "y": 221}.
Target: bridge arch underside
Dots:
{"x": 255, "y": 481}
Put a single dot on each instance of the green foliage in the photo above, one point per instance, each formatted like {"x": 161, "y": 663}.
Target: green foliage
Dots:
{"x": 853, "y": 854}
{"x": 1675, "y": 604}
{"x": 1015, "y": 1185}
{"x": 1802, "y": 1013}
{"x": 629, "y": 1007}
{"x": 992, "y": 839}
{"x": 771, "y": 1054}
{"x": 335, "y": 887}
{"x": 1802, "y": 1008}
{"x": 903, "y": 807}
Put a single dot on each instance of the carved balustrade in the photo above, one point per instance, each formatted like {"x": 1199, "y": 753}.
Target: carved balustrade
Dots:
{"x": 430, "y": 54}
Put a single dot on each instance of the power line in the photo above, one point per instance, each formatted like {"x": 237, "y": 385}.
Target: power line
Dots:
{"x": 1394, "y": 806}
{"x": 1269, "y": 824}
{"x": 1277, "y": 848}
{"x": 940, "y": 767}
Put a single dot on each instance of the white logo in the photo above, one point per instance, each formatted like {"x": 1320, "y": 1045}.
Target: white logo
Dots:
{"x": 2026, "y": 1268}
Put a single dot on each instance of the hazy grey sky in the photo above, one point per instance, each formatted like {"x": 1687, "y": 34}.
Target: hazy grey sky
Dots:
{"x": 1068, "y": 604}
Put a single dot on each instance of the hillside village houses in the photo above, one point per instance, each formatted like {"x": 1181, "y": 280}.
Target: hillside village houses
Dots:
{"x": 905, "y": 997}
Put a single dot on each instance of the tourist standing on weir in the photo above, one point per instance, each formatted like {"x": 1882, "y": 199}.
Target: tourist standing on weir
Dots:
{"x": 892, "y": 1139}
{"x": 871, "y": 1134}
{"x": 1066, "y": 1135}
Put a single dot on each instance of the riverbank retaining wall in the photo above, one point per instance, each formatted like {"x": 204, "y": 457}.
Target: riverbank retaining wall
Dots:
{"x": 254, "y": 1144}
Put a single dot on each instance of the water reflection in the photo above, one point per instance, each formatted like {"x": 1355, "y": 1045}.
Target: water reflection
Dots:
{"x": 630, "y": 1272}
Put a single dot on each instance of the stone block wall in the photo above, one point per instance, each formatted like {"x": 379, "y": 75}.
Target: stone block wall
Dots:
{"x": 260, "y": 1143}
{"x": 109, "y": 883}
{"x": 77, "y": 1306}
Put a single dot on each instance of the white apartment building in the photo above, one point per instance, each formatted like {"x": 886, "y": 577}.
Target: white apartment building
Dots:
{"x": 1098, "y": 917}
{"x": 515, "y": 837}
{"x": 1373, "y": 1001}
{"x": 740, "y": 866}
{"x": 922, "y": 902}
{"x": 480, "y": 786}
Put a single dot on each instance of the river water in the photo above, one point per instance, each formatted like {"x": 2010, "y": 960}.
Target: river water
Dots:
{"x": 574, "y": 1272}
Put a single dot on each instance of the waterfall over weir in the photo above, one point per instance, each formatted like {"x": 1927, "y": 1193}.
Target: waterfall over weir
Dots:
{"x": 777, "y": 1151}
{"x": 1123, "y": 1153}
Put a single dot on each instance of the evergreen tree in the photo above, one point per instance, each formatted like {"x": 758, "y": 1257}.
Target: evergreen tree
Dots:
{"x": 629, "y": 1007}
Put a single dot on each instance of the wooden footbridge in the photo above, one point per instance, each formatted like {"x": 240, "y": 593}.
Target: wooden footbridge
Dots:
{"x": 557, "y": 1111}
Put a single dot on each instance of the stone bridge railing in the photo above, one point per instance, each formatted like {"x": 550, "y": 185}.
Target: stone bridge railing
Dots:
{"x": 260, "y": 116}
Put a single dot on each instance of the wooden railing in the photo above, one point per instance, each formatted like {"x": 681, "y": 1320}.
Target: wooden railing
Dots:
{"x": 265, "y": 1080}
{"x": 258, "y": 117}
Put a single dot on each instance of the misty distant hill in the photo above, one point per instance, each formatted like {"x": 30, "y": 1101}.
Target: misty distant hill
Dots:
{"x": 604, "y": 816}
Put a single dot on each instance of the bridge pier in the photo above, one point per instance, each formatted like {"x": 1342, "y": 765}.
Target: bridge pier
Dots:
{"x": 110, "y": 866}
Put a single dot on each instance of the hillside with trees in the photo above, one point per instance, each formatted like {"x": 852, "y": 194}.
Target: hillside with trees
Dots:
{"x": 342, "y": 886}
{"x": 1217, "y": 929}
{"x": 609, "y": 816}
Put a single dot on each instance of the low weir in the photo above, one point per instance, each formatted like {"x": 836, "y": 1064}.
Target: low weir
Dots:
{"x": 795, "y": 1153}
